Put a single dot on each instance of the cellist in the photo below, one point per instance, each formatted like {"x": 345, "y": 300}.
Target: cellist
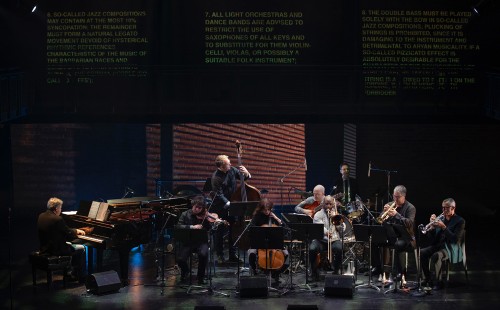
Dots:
{"x": 310, "y": 203}
{"x": 224, "y": 184}
{"x": 264, "y": 216}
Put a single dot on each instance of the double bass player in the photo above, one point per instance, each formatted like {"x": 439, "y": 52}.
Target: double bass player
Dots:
{"x": 224, "y": 183}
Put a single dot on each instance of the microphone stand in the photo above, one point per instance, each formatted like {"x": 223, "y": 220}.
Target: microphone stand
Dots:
{"x": 420, "y": 292}
{"x": 388, "y": 172}
{"x": 235, "y": 244}
{"x": 283, "y": 178}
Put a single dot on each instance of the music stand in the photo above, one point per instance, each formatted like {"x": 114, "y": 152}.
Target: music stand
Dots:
{"x": 306, "y": 232}
{"x": 397, "y": 231}
{"x": 242, "y": 209}
{"x": 371, "y": 234}
{"x": 267, "y": 238}
{"x": 194, "y": 238}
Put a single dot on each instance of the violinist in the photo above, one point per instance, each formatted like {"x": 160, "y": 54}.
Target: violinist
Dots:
{"x": 224, "y": 183}
{"x": 194, "y": 218}
{"x": 309, "y": 204}
{"x": 264, "y": 216}
{"x": 333, "y": 227}
{"x": 445, "y": 232}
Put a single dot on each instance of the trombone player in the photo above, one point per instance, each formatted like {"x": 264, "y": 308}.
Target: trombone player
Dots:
{"x": 400, "y": 211}
{"x": 333, "y": 227}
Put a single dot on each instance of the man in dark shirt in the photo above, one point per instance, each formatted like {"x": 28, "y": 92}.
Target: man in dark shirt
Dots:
{"x": 400, "y": 212}
{"x": 446, "y": 233}
{"x": 194, "y": 218}
{"x": 54, "y": 236}
{"x": 224, "y": 181}
{"x": 346, "y": 185}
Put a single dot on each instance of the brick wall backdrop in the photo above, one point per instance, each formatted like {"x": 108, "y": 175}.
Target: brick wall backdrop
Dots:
{"x": 270, "y": 151}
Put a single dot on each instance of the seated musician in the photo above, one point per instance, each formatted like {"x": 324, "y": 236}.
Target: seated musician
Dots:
{"x": 345, "y": 185}
{"x": 263, "y": 216}
{"x": 446, "y": 232}
{"x": 55, "y": 236}
{"x": 309, "y": 204}
{"x": 194, "y": 218}
{"x": 333, "y": 227}
{"x": 401, "y": 212}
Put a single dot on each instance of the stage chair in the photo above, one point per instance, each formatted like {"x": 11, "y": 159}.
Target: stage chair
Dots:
{"x": 49, "y": 264}
{"x": 447, "y": 265}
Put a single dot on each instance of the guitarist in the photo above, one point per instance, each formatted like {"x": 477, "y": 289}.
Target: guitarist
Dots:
{"x": 307, "y": 206}
{"x": 224, "y": 183}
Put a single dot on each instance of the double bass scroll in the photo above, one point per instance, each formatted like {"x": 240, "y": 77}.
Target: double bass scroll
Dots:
{"x": 244, "y": 192}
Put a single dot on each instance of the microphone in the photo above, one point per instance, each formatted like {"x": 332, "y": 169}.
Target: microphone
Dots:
{"x": 305, "y": 163}
{"x": 171, "y": 214}
{"x": 130, "y": 190}
{"x": 369, "y": 168}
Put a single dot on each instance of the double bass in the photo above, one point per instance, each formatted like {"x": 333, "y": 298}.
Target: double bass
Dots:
{"x": 243, "y": 193}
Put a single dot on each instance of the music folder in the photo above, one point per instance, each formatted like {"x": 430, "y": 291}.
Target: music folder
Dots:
{"x": 297, "y": 218}
{"x": 240, "y": 208}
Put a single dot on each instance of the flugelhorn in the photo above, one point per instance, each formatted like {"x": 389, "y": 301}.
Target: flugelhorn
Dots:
{"x": 429, "y": 226}
{"x": 384, "y": 216}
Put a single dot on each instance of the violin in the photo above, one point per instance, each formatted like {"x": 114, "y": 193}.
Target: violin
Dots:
{"x": 212, "y": 218}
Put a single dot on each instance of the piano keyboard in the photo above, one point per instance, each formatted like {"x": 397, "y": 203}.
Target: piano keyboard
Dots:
{"x": 93, "y": 239}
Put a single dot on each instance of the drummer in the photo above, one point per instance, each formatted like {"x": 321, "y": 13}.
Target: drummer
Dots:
{"x": 346, "y": 185}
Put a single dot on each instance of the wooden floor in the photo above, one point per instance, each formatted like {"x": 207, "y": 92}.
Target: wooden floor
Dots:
{"x": 147, "y": 291}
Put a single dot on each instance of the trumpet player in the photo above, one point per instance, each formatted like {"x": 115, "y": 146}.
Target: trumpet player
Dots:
{"x": 402, "y": 212}
{"x": 333, "y": 227}
{"x": 445, "y": 232}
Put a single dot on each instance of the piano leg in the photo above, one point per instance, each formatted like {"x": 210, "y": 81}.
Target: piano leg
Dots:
{"x": 124, "y": 262}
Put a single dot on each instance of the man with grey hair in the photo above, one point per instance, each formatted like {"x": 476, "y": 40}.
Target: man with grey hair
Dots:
{"x": 401, "y": 212}
{"x": 55, "y": 236}
{"x": 445, "y": 232}
{"x": 310, "y": 203}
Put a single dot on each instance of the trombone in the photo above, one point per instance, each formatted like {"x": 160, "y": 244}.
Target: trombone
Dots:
{"x": 334, "y": 219}
{"x": 384, "y": 216}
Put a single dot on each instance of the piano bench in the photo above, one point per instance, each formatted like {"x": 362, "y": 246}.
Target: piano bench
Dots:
{"x": 49, "y": 264}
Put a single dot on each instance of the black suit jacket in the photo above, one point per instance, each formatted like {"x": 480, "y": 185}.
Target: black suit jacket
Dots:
{"x": 53, "y": 234}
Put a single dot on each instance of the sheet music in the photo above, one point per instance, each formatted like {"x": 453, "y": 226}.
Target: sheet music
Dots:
{"x": 102, "y": 212}
{"x": 93, "y": 209}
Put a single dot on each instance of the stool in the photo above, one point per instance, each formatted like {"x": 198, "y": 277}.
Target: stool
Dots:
{"x": 50, "y": 264}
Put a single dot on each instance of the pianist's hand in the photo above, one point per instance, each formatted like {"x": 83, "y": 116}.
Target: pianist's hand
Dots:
{"x": 80, "y": 232}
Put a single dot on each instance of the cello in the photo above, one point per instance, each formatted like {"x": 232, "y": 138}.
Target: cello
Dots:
{"x": 270, "y": 259}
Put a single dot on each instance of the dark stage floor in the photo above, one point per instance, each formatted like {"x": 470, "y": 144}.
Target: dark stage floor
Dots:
{"x": 146, "y": 292}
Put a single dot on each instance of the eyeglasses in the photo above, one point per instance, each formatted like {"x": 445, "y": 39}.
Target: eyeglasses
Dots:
{"x": 328, "y": 203}
{"x": 447, "y": 207}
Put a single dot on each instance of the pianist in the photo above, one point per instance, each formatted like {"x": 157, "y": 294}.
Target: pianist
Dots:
{"x": 194, "y": 219}
{"x": 54, "y": 236}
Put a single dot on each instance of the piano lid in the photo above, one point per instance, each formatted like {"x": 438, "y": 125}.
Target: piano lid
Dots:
{"x": 130, "y": 200}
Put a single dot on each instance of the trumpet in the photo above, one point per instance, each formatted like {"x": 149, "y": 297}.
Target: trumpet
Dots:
{"x": 384, "y": 216}
{"x": 429, "y": 226}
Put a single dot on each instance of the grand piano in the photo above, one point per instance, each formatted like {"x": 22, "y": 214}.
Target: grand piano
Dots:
{"x": 120, "y": 225}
